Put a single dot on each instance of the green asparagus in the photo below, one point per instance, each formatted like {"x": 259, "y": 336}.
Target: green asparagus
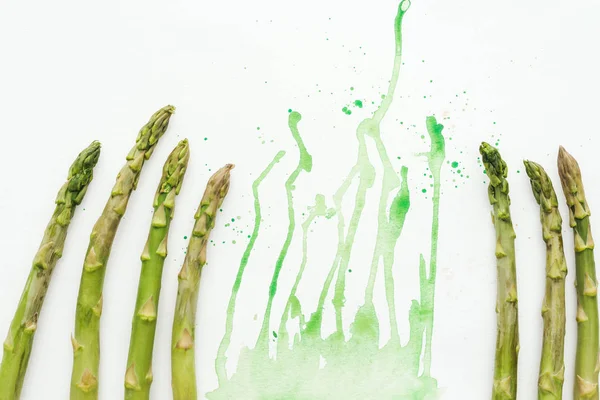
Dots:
{"x": 184, "y": 332}
{"x": 552, "y": 366}
{"x": 19, "y": 343}
{"x": 586, "y": 363}
{"x": 507, "y": 345}
{"x": 138, "y": 377}
{"x": 86, "y": 340}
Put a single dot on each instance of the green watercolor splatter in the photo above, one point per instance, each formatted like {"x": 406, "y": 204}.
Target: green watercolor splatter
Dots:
{"x": 358, "y": 103}
{"x": 302, "y": 364}
{"x": 454, "y": 164}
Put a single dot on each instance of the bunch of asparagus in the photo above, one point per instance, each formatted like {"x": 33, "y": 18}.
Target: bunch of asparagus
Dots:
{"x": 86, "y": 339}
{"x": 552, "y": 369}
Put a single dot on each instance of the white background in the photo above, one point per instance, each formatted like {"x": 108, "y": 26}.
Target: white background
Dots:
{"x": 72, "y": 72}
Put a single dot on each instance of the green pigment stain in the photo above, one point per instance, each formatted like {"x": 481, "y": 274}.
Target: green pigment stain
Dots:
{"x": 358, "y": 103}
{"x": 304, "y": 164}
{"x": 297, "y": 361}
{"x": 454, "y": 164}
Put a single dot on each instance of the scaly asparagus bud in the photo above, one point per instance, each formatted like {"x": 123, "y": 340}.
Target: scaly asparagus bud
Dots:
{"x": 184, "y": 333}
{"x": 138, "y": 377}
{"x": 507, "y": 344}
{"x": 19, "y": 343}
{"x": 586, "y": 363}
{"x": 552, "y": 367}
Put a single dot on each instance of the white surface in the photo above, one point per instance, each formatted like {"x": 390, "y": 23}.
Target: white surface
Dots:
{"x": 73, "y": 71}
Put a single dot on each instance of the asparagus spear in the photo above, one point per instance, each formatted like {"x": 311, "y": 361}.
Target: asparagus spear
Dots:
{"x": 183, "y": 339}
{"x": 138, "y": 377}
{"x": 19, "y": 343}
{"x": 552, "y": 366}
{"x": 507, "y": 344}
{"x": 586, "y": 363}
{"x": 86, "y": 341}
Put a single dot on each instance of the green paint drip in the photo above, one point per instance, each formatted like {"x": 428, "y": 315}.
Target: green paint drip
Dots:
{"x": 435, "y": 157}
{"x": 304, "y": 365}
{"x": 220, "y": 364}
{"x": 304, "y": 164}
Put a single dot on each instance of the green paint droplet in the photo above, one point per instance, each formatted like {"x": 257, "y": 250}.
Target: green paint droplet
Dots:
{"x": 205, "y": 138}
{"x": 258, "y": 128}
{"x": 185, "y": 238}
{"x": 352, "y": 88}
{"x": 232, "y": 219}
{"x": 424, "y": 190}
{"x": 233, "y": 241}
{"x": 454, "y": 164}
{"x": 458, "y": 171}
{"x": 275, "y": 334}
{"x": 518, "y": 171}
{"x": 358, "y": 103}
{"x": 289, "y": 110}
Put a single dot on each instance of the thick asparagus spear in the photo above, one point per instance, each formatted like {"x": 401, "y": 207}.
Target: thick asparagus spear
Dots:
{"x": 138, "y": 377}
{"x": 586, "y": 364}
{"x": 183, "y": 339}
{"x": 552, "y": 366}
{"x": 507, "y": 344}
{"x": 86, "y": 340}
{"x": 19, "y": 343}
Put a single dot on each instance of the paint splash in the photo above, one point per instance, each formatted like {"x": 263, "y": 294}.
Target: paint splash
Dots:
{"x": 304, "y": 364}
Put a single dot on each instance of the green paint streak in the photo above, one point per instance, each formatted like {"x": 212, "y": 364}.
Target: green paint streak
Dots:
{"x": 304, "y": 164}
{"x": 293, "y": 304}
{"x": 294, "y": 369}
{"x": 435, "y": 157}
{"x": 220, "y": 363}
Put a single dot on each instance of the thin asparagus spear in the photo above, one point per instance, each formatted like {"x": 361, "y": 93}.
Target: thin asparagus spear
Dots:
{"x": 138, "y": 377}
{"x": 586, "y": 363}
{"x": 552, "y": 366}
{"x": 184, "y": 332}
{"x": 86, "y": 341}
{"x": 19, "y": 343}
{"x": 507, "y": 345}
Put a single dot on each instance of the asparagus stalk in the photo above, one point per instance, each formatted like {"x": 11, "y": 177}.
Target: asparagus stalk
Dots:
{"x": 507, "y": 344}
{"x": 586, "y": 363}
{"x": 552, "y": 366}
{"x": 184, "y": 332}
{"x": 138, "y": 377}
{"x": 86, "y": 340}
{"x": 19, "y": 343}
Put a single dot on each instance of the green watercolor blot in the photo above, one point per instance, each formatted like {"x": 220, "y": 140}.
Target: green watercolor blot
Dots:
{"x": 454, "y": 164}
{"x": 358, "y": 103}
{"x": 304, "y": 362}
